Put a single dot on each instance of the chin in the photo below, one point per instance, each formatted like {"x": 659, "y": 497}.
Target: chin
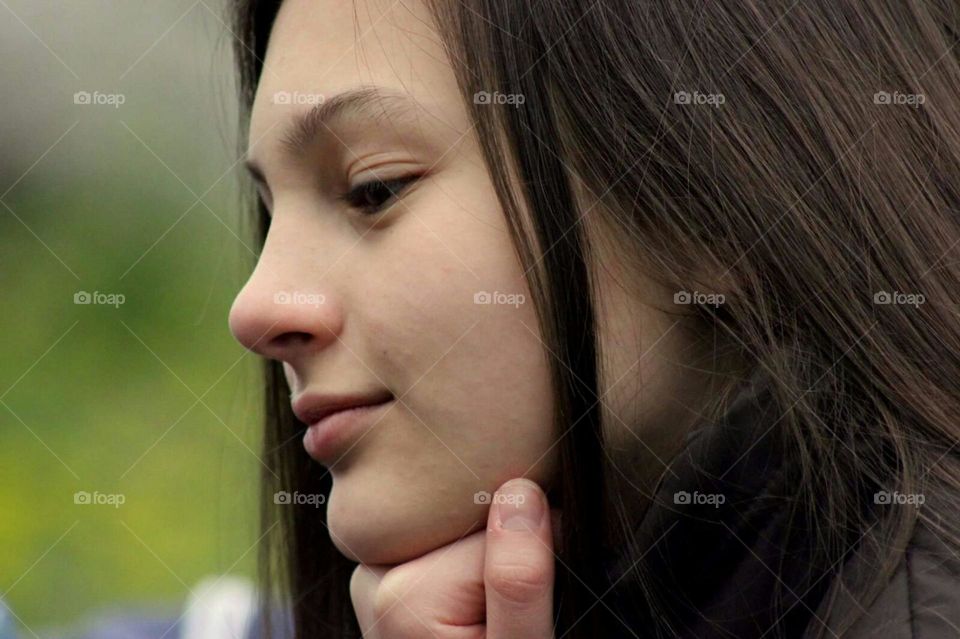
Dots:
{"x": 375, "y": 531}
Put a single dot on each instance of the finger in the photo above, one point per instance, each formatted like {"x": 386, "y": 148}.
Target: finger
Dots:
{"x": 519, "y": 564}
{"x": 364, "y": 583}
{"x": 439, "y": 594}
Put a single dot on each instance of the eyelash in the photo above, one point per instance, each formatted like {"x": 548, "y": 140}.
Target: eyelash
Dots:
{"x": 358, "y": 196}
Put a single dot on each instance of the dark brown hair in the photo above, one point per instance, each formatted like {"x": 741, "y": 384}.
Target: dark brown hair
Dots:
{"x": 800, "y": 157}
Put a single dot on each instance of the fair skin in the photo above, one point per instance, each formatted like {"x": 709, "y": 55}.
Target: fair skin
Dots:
{"x": 474, "y": 406}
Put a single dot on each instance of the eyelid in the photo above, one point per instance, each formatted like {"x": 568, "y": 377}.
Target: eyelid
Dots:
{"x": 400, "y": 173}
{"x": 396, "y": 186}
{"x": 383, "y": 171}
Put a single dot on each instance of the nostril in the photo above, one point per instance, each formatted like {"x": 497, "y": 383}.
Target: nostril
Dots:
{"x": 292, "y": 338}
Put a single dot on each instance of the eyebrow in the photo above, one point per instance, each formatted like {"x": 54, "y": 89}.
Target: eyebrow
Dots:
{"x": 372, "y": 103}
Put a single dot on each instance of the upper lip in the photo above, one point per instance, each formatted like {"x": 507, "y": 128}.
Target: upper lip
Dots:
{"x": 310, "y": 408}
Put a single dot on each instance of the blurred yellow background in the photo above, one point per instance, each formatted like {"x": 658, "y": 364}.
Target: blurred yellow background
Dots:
{"x": 119, "y": 177}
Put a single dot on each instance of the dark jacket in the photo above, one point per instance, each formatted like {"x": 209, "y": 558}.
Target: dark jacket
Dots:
{"x": 715, "y": 548}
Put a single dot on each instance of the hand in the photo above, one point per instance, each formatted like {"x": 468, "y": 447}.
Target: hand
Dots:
{"x": 493, "y": 584}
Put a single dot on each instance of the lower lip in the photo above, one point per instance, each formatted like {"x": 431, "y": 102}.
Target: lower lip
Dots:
{"x": 334, "y": 433}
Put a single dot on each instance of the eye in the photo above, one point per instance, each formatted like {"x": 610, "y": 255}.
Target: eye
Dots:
{"x": 372, "y": 196}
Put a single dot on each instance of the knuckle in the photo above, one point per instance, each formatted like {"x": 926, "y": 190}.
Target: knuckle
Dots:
{"x": 399, "y": 622}
{"x": 518, "y": 583}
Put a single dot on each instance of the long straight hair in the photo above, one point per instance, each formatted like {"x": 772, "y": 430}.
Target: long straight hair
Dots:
{"x": 802, "y": 158}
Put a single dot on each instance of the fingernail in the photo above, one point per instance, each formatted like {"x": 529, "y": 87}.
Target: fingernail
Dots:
{"x": 519, "y": 505}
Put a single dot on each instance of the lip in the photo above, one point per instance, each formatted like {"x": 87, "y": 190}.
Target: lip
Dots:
{"x": 334, "y": 421}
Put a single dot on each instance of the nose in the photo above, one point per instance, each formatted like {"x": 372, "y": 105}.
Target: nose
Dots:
{"x": 283, "y": 322}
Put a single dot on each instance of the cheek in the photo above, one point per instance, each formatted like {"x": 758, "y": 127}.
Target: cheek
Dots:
{"x": 477, "y": 405}
{"x": 461, "y": 325}
{"x": 462, "y": 348}
{"x": 476, "y": 412}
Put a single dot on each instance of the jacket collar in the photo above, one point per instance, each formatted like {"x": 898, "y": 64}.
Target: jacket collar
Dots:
{"x": 715, "y": 556}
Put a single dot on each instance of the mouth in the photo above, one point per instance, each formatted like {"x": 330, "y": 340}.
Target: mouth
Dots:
{"x": 336, "y": 422}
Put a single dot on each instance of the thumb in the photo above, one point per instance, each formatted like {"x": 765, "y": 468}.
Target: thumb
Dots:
{"x": 519, "y": 564}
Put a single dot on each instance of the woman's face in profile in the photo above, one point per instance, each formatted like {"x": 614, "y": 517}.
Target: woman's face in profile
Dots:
{"x": 418, "y": 295}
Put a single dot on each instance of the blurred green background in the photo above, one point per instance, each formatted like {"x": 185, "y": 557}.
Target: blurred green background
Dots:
{"x": 151, "y": 399}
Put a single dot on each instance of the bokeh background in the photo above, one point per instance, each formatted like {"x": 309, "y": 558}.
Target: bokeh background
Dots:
{"x": 149, "y": 401}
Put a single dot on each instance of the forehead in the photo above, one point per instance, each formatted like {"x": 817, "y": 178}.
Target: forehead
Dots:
{"x": 321, "y": 48}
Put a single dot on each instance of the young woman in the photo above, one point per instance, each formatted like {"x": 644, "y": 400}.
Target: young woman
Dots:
{"x": 688, "y": 269}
